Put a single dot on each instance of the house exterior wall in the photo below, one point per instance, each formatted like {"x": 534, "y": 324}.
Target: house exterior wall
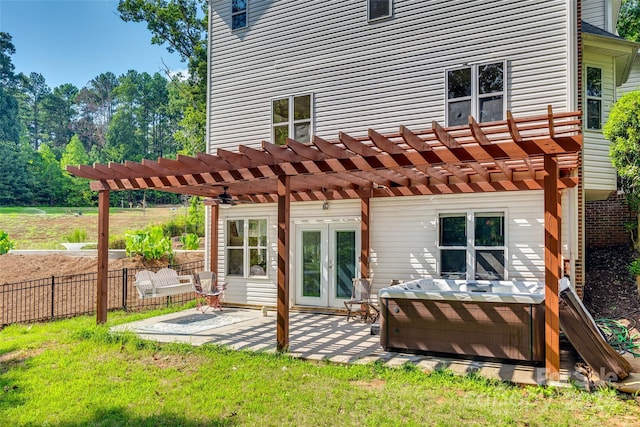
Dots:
{"x": 400, "y": 249}
{"x": 381, "y": 75}
{"x": 606, "y": 221}
{"x": 600, "y": 176}
{"x": 601, "y": 13}
{"x": 362, "y": 77}
{"x": 633, "y": 82}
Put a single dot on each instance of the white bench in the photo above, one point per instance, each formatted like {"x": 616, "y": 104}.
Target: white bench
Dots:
{"x": 162, "y": 283}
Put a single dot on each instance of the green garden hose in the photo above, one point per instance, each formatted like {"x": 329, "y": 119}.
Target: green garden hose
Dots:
{"x": 619, "y": 337}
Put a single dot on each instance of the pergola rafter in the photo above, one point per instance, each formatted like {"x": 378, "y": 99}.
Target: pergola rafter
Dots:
{"x": 503, "y": 155}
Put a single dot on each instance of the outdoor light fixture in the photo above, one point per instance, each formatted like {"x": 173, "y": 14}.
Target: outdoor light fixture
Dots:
{"x": 325, "y": 205}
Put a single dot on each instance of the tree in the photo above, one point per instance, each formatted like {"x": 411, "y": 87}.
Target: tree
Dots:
{"x": 47, "y": 179}
{"x": 36, "y": 90}
{"x": 629, "y": 20}
{"x": 9, "y": 124}
{"x": 58, "y": 113}
{"x": 76, "y": 189}
{"x": 96, "y": 105}
{"x": 15, "y": 188}
{"x": 182, "y": 25}
{"x": 623, "y": 130}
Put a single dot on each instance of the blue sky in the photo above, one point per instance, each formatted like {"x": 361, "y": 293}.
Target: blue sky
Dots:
{"x": 73, "y": 41}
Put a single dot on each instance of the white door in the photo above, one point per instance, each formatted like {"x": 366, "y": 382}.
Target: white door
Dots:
{"x": 326, "y": 263}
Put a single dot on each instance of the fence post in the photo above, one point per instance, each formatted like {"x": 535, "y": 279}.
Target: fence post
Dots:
{"x": 53, "y": 296}
{"x": 125, "y": 280}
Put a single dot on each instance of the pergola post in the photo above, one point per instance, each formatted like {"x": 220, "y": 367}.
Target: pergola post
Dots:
{"x": 284, "y": 202}
{"x": 213, "y": 239}
{"x": 103, "y": 256}
{"x": 364, "y": 236}
{"x": 552, "y": 267}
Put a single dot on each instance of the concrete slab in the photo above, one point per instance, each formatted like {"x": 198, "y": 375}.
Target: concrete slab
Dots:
{"x": 318, "y": 337}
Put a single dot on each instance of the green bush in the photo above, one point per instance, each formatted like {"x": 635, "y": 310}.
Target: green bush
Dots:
{"x": 6, "y": 244}
{"x": 190, "y": 241}
{"x": 150, "y": 244}
{"x": 117, "y": 242}
{"x": 76, "y": 236}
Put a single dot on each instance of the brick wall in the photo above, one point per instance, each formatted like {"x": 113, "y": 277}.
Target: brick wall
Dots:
{"x": 605, "y": 222}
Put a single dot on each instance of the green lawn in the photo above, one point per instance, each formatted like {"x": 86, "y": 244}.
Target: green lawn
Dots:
{"x": 73, "y": 373}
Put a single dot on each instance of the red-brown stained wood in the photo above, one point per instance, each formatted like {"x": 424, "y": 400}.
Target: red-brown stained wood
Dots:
{"x": 213, "y": 239}
{"x": 282, "y": 321}
{"x": 365, "y": 248}
{"x": 552, "y": 268}
{"x": 103, "y": 257}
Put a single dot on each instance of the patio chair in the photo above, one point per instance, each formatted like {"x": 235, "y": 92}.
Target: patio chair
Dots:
{"x": 360, "y": 302}
{"x": 206, "y": 286}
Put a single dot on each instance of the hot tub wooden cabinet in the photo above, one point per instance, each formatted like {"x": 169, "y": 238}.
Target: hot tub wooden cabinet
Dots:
{"x": 498, "y": 320}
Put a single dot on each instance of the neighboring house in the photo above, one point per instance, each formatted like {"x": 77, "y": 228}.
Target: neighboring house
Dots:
{"x": 299, "y": 70}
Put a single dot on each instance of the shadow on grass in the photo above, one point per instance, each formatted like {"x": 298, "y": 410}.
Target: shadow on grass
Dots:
{"x": 120, "y": 417}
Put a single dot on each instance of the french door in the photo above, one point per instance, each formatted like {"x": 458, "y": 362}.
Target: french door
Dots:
{"x": 326, "y": 263}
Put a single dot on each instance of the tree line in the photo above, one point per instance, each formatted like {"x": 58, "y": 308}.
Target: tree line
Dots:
{"x": 111, "y": 119}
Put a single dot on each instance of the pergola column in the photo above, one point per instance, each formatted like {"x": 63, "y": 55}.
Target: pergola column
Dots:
{"x": 364, "y": 236}
{"x": 284, "y": 202}
{"x": 213, "y": 239}
{"x": 103, "y": 256}
{"x": 552, "y": 267}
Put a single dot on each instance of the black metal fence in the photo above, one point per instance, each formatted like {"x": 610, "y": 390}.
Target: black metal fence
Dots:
{"x": 67, "y": 296}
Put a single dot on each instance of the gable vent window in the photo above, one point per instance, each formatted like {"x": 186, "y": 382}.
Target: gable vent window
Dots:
{"x": 379, "y": 9}
{"x": 594, "y": 98}
{"x": 477, "y": 90}
{"x": 292, "y": 117}
{"x": 239, "y": 14}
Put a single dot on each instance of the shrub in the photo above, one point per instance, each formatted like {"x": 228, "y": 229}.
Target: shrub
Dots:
{"x": 190, "y": 241}
{"x": 6, "y": 244}
{"x": 150, "y": 244}
{"x": 634, "y": 267}
{"x": 76, "y": 236}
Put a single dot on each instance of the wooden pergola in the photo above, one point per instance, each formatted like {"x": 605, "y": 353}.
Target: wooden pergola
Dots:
{"x": 533, "y": 153}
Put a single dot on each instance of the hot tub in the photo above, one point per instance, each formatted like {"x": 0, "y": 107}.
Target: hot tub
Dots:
{"x": 486, "y": 319}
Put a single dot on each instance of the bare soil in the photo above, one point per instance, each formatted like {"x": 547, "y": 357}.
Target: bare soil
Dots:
{"x": 18, "y": 268}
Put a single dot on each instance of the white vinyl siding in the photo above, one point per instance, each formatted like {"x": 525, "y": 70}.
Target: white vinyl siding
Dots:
{"x": 400, "y": 249}
{"x": 378, "y": 76}
{"x": 633, "y": 82}
{"x": 599, "y": 174}
{"x": 593, "y": 12}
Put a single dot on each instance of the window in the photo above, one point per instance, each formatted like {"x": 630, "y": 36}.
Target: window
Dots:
{"x": 594, "y": 98}
{"x": 246, "y": 247}
{"x": 379, "y": 9}
{"x": 476, "y": 90}
{"x": 239, "y": 14}
{"x": 476, "y": 256}
{"x": 291, "y": 117}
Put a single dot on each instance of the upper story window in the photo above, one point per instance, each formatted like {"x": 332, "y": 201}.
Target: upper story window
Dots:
{"x": 477, "y": 90}
{"x": 594, "y": 98}
{"x": 472, "y": 245}
{"x": 379, "y": 9}
{"x": 292, "y": 117}
{"x": 246, "y": 247}
{"x": 239, "y": 16}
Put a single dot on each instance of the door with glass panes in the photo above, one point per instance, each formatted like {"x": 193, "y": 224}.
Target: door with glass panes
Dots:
{"x": 326, "y": 263}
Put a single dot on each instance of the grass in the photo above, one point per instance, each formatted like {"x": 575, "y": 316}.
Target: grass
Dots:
{"x": 47, "y": 227}
{"x": 74, "y": 373}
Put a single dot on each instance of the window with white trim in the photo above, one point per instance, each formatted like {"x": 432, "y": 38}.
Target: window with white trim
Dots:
{"x": 472, "y": 245}
{"x": 292, "y": 117}
{"x": 246, "y": 247}
{"x": 379, "y": 9}
{"x": 477, "y": 90}
{"x": 594, "y": 98}
{"x": 239, "y": 14}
